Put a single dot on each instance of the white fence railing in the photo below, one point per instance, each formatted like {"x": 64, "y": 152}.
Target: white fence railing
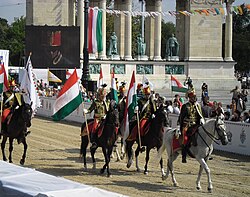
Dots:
{"x": 238, "y": 133}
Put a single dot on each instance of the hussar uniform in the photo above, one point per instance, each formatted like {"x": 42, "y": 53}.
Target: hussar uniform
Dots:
{"x": 190, "y": 117}
{"x": 147, "y": 108}
{"x": 121, "y": 101}
{"x": 100, "y": 108}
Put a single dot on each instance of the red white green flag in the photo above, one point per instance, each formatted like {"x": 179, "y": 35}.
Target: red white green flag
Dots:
{"x": 114, "y": 95}
{"x": 177, "y": 86}
{"x": 3, "y": 79}
{"x": 131, "y": 103}
{"x": 68, "y": 99}
{"x": 100, "y": 81}
{"x": 95, "y": 31}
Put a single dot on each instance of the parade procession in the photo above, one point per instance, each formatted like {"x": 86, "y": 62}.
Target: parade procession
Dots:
{"x": 124, "y": 98}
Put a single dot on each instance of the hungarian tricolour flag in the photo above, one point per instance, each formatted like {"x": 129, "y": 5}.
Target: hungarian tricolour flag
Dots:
{"x": 68, "y": 99}
{"x": 100, "y": 81}
{"x": 3, "y": 79}
{"x": 114, "y": 95}
{"x": 131, "y": 103}
{"x": 95, "y": 30}
{"x": 177, "y": 86}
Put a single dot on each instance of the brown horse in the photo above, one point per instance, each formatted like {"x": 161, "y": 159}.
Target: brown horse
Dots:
{"x": 105, "y": 141}
{"x": 153, "y": 138}
{"x": 20, "y": 120}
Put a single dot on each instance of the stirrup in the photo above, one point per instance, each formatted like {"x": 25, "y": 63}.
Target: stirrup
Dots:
{"x": 93, "y": 145}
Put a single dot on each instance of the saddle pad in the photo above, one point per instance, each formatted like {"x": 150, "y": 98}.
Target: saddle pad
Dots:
{"x": 6, "y": 112}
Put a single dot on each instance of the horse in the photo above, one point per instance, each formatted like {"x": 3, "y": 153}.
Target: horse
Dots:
{"x": 212, "y": 131}
{"x": 105, "y": 141}
{"x": 19, "y": 122}
{"x": 153, "y": 138}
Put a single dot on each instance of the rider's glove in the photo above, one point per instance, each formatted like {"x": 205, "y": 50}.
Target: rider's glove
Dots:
{"x": 202, "y": 121}
{"x": 153, "y": 116}
{"x": 136, "y": 109}
{"x": 85, "y": 111}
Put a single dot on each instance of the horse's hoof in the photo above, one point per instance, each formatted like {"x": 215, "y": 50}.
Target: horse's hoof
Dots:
{"x": 146, "y": 172}
{"x": 138, "y": 170}
{"x": 22, "y": 162}
{"x": 164, "y": 177}
{"x": 176, "y": 184}
{"x": 129, "y": 164}
{"x": 94, "y": 166}
{"x": 198, "y": 188}
{"x": 109, "y": 175}
{"x": 101, "y": 171}
{"x": 10, "y": 161}
{"x": 209, "y": 190}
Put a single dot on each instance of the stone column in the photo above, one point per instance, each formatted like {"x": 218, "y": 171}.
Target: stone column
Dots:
{"x": 157, "y": 36}
{"x": 228, "y": 36}
{"x": 80, "y": 22}
{"x": 72, "y": 15}
{"x": 128, "y": 31}
{"x": 102, "y": 55}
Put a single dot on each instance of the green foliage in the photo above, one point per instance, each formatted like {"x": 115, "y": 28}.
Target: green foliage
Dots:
{"x": 13, "y": 39}
{"x": 241, "y": 41}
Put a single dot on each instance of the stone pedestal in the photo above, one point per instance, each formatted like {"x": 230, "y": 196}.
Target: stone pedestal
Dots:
{"x": 141, "y": 57}
{"x": 172, "y": 58}
{"x": 114, "y": 57}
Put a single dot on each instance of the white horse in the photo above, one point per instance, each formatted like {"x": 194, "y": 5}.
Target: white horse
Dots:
{"x": 212, "y": 130}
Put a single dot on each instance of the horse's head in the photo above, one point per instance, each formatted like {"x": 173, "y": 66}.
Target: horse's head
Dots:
{"x": 161, "y": 115}
{"x": 220, "y": 127}
{"x": 27, "y": 113}
{"x": 114, "y": 113}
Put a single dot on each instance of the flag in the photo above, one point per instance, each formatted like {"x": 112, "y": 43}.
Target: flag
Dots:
{"x": 67, "y": 74}
{"x": 146, "y": 83}
{"x": 53, "y": 78}
{"x": 131, "y": 103}
{"x": 177, "y": 86}
{"x": 114, "y": 95}
{"x": 68, "y": 99}
{"x": 3, "y": 79}
{"x": 28, "y": 86}
{"x": 95, "y": 31}
{"x": 100, "y": 81}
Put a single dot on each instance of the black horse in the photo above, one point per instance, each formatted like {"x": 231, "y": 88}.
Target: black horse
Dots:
{"x": 16, "y": 129}
{"x": 106, "y": 140}
{"x": 153, "y": 138}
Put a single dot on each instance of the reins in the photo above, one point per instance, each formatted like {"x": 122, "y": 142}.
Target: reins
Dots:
{"x": 211, "y": 136}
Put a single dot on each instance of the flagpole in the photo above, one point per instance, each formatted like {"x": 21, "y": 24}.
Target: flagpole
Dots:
{"x": 171, "y": 87}
{"x": 138, "y": 128}
{"x": 1, "y": 112}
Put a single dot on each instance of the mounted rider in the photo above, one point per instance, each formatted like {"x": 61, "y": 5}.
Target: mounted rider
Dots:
{"x": 100, "y": 108}
{"x": 12, "y": 100}
{"x": 146, "y": 108}
{"x": 122, "y": 100}
{"x": 189, "y": 119}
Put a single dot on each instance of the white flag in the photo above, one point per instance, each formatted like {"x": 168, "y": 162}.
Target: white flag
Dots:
{"x": 28, "y": 85}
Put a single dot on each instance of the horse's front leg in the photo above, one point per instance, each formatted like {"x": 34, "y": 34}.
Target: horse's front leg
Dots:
{"x": 123, "y": 148}
{"x": 171, "y": 170}
{"x": 83, "y": 150}
{"x": 105, "y": 153}
{"x": 198, "y": 181}
{"x": 207, "y": 170}
{"x": 137, "y": 151}
{"x": 146, "y": 159}
{"x": 163, "y": 175}
{"x": 10, "y": 149}
{"x": 129, "y": 153}
{"x": 3, "y": 147}
{"x": 25, "y": 147}
{"x": 92, "y": 151}
{"x": 116, "y": 152}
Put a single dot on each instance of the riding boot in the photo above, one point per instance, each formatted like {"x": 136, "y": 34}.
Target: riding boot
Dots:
{"x": 184, "y": 153}
{"x": 93, "y": 141}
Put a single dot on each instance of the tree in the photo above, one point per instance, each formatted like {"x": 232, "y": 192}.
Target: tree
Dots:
{"x": 241, "y": 41}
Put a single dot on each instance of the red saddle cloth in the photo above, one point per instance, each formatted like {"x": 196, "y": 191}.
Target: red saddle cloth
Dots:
{"x": 144, "y": 128}
{"x": 6, "y": 112}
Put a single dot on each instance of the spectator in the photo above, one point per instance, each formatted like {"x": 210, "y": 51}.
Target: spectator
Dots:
{"x": 245, "y": 117}
{"x": 244, "y": 94}
{"x": 236, "y": 116}
{"x": 240, "y": 105}
{"x": 236, "y": 92}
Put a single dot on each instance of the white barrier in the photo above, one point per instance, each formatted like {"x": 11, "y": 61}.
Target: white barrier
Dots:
{"x": 47, "y": 110}
{"x": 238, "y": 134}
{"x": 16, "y": 181}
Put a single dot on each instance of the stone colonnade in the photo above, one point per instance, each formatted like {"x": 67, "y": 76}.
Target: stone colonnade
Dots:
{"x": 123, "y": 29}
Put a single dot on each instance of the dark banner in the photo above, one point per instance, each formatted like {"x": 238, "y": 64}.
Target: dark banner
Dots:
{"x": 53, "y": 46}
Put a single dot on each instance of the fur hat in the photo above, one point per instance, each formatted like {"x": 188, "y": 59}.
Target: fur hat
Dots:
{"x": 146, "y": 90}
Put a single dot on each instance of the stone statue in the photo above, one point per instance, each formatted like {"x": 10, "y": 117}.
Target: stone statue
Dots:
{"x": 113, "y": 45}
{"x": 172, "y": 48}
{"x": 141, "y": 46}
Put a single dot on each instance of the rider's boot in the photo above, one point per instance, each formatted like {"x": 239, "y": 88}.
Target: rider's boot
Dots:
{"x": 93, "y": 141}
{"x": 184, "y": 153}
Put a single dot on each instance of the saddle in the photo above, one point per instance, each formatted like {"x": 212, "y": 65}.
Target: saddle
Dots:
{"x": 134, "y": 131}
{"x": 98, "y": 130}
{"x": 191, "y": 139}
{"x": 6, "y": 115}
